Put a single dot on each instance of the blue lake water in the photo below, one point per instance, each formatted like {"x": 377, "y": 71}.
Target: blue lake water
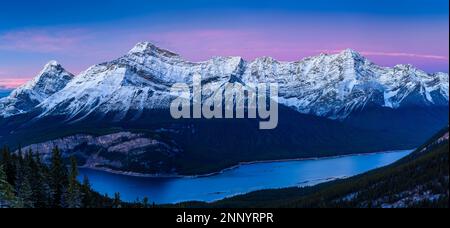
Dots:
{"x": 244, "y": 179}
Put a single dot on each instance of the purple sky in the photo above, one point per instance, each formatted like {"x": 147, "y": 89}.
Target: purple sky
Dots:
{"x": 288, "y": 34}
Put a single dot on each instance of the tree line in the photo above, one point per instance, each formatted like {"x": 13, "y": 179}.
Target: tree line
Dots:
{"x": 27, "y": 182}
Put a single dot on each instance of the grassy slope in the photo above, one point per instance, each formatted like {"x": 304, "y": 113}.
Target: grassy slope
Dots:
{"x": 419, "y": 176}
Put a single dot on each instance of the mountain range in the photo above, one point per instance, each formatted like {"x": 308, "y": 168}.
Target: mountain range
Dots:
{"x": 115, "y": 115}
{"x": 332, "y": 86}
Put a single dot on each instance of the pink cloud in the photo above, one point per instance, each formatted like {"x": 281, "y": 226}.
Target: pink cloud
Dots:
{"x": 78, "y": 49}
{"x": 11, "y": 83}
{"x": 202, "y": 44}
{"x": 395, "y": 54}
{"x": 411, "y": 55}
{"x": 42, "y": 40}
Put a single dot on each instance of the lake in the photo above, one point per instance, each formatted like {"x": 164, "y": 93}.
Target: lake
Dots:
{"x": 243, "y": 179}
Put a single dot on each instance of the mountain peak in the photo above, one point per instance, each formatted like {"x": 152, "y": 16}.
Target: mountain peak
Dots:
{"x": 49, "y": 68}
{"x": 147, "y": 48}
{"x": 142, "y": 47}
{"x": 405, "y": 67}
{"x": 265, "y": 59}
{"x": 52, "y": 63}
{"x": 52, "y": 70}
{"x": 50, "y": 80}
{"x": 350, "y": 53}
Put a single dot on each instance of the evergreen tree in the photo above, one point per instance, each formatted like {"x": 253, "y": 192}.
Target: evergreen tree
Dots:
{"x": 24, "y": 191}
{"x": 58, "y": 178}
{"x": 7, "y": 197}
{"x": 34, "y": 184}
{"x": 9, "y": 165}
{"x": 117, "y": 201}
{"x": 106, "y": 202}
{"x": 86, "y": 192}
{"x": 145, "y": 203}
{"x": 73, "y": 192}
{"x": 39, "y": 183}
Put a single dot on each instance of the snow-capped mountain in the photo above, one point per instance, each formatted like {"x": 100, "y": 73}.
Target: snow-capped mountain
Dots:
{"x": 115, "y": 115}
{"x": 332, "y": 86}
{"x": 336, "y": 85}
{"x": 50, "y": 80}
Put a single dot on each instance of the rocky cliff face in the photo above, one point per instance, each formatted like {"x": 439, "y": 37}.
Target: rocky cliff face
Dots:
{"x": 112, "y": 151}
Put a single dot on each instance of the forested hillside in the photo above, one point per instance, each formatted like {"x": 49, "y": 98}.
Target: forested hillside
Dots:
{"x": 419, "y": 180}
{"x": 26, "y": 182}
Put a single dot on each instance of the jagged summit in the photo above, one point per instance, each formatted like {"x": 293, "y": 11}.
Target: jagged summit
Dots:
{"x": 265, "y": 59}
{"x": 51, "y": 63}
{"x": 405, "y": 67}
{"x": 350, "y": 52}
{"x": 147, "y": 48}
{"x": 50, "y": 80}
{"x": 351, "y": 55}
{"x": 142, "y": 47}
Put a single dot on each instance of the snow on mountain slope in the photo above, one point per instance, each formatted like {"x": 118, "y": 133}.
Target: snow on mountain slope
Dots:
{"x": 336, "y": 85}
{"x": 140, "y": 80}
{"x": 332, "y": 86}
{"x": 49, "y": 81}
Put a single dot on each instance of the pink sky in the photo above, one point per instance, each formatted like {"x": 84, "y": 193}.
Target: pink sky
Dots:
{"x": 23, "y": 52}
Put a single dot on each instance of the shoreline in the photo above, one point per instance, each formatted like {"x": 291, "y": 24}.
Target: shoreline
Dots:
{"x": 142, "y": 175}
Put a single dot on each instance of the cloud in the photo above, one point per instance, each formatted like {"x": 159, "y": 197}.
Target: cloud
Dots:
{"x": 43, "y": 40}
{"x": 202, "y": 44}
{"x": 11, "y": 83}
{"x": 395, "y": 54}
{"x": 410, "y": 55}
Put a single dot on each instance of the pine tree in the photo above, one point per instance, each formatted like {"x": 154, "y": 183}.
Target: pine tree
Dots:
{"x": 117, "y": 201}
{"x": 24, "y": 191}
{"x": 58, "y": 178}
{"x": 145, "y": 203}
{"x": 39, "y": 183}
{"x": 7, "y": 197}
{"x": 86, "y": 192}
{"x": 106, "y": 202}
{"x": 9, "y": 165}
{"x": 73, "y": 192}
